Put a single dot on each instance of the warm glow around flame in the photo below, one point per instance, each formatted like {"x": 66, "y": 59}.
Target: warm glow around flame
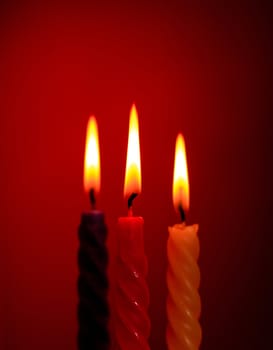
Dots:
{"x": 92, "y": 157}
{"x": 180, "y": 176}
{"x": 132, "y": 183}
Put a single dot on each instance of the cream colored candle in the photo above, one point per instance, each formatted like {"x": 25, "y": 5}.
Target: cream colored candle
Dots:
{"x": 183, "y": 275}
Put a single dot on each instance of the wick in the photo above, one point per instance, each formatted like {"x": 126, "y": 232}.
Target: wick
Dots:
{"x": 92, "y": 198}
{"x": 182, "y": 213}
{"x": 130, "y": 203}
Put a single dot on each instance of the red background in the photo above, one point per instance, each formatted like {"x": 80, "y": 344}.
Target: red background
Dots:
{"x": 204, "y": 71}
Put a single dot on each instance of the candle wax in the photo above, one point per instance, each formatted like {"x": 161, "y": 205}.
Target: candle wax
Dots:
{"x": 132, "y": 325}
{"x": 183, "y": 278}
{"x": 93, "y": 310}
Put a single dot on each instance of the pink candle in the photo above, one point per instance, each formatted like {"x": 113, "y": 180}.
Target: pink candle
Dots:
{"x": 132, "y": 324}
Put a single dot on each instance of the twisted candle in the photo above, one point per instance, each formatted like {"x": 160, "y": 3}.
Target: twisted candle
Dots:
{"x": 132, "y": 325}
{"x": 93, "y": 310}
{"x": 183, "y": 278}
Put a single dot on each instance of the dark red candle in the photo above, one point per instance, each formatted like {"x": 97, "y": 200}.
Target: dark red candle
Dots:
{"x": 93, "y": 309}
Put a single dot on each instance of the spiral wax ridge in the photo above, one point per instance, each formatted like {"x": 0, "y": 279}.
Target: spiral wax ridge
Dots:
{"x": 132, "y": 300}
{"x": 183, "y": 304}
{"x": 93, "y": 310}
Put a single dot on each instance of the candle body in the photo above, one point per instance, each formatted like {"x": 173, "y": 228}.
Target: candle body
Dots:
{"x": 132, "y": 325}
{"x": 183, "y": 278}
{"x": 93, "y": 310}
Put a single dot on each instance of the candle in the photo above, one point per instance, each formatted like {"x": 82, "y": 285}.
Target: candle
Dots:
{"x": 93, "y": 308}
{"x": 132, "y": 325}
{"x": 183, "y": 275}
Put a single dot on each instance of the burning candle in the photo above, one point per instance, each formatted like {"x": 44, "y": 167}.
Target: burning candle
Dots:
{"x": 132, "y": 325}
{"x": 183, "y": 275}
{"x": 93, "y": 308}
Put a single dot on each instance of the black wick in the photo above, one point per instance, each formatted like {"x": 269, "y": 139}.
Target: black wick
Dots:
{"x": 130, "y": 199}
{"x": 92, "y": 198}
{"x": 182, "y": 213}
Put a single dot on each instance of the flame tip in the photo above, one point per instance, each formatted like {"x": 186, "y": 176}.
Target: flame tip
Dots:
{"x": 92, "y": 118}
{"x": 180, "y": 136}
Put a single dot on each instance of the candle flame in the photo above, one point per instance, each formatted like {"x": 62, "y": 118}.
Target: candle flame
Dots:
{"x": 132, "y": 183}
{"x": 91, "y": 178}
{"x": 180, "y": 175}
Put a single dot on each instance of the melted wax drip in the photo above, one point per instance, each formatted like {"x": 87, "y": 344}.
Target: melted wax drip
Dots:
{"x": 93, "y": 311}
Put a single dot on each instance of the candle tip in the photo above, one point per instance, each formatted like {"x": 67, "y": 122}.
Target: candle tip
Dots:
{"x": 182, "y": 213}
{"x": 92, "y": 198}
{"x": 130, "y": 199}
